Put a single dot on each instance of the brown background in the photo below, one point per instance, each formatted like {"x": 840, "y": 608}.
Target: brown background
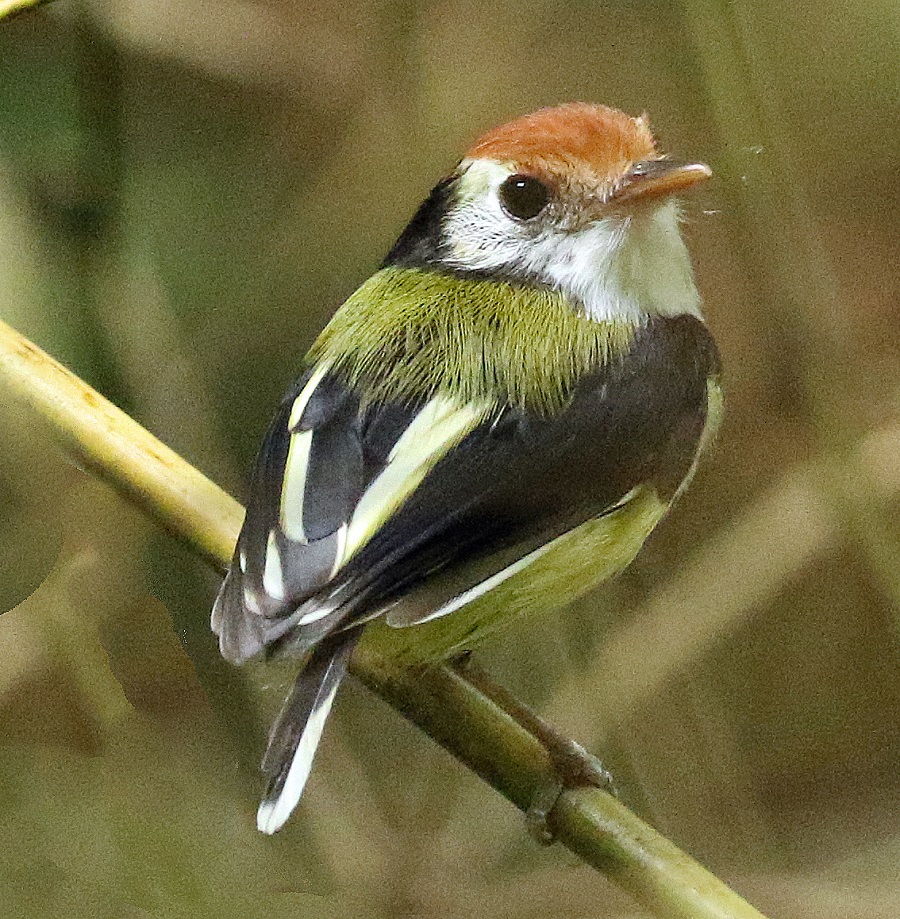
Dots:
{"x": 187, "y": 191}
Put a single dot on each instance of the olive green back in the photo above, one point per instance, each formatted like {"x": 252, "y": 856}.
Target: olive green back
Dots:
{"x": 408, "y": 332}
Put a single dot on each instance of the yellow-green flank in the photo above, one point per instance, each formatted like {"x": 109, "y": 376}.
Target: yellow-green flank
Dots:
{"x": 574, "y": 563}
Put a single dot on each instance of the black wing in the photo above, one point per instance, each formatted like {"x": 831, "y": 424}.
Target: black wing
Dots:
{"x": 494, "y": 483}
{"x": 290, "y": 543}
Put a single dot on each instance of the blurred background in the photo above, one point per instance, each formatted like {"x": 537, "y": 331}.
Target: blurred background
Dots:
{"x": 187, "y": 192}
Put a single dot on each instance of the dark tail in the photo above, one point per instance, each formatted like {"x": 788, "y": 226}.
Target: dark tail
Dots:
{"x": 298, "y": 729}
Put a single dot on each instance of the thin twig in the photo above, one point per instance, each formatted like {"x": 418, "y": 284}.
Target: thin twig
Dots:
{"x": 591, "y": 822}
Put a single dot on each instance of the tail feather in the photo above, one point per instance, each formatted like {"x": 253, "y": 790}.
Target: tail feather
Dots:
{"x": 298, "y": 728}
{"x": 240, "y": 633}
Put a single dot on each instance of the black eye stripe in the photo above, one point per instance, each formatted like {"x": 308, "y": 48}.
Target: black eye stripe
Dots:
{"x": 523, "y": 197}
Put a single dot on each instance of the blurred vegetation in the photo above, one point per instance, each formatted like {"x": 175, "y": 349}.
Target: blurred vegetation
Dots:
{"x": 187, "y": 191}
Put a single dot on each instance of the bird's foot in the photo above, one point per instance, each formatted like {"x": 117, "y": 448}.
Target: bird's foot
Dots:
{"x": 572, "y": 765}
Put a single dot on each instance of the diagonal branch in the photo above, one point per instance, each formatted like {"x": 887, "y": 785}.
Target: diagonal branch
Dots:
{"x": 590, "y": 822}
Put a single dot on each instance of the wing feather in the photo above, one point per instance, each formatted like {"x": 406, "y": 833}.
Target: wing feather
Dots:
{"x": 329, "y": 475}
{"x": 359, "y": 508}
{"x": 435, "y": 430}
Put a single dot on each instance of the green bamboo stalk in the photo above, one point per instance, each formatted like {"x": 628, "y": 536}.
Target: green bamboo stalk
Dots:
{"x": 589, "y": 821}
{"x": 10, "y": 8}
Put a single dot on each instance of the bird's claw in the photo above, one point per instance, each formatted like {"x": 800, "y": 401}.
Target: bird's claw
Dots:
{"x": 579, "y": 769}
{"x": 574, "y": 768}
{"x": 539, "y": 811}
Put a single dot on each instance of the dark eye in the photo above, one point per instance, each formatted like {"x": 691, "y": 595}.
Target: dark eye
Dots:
{"x": 523, "y": 197}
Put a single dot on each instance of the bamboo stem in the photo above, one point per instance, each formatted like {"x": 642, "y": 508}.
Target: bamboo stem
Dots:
{"x": 590, "y": 822}
{"x": 11, "y": 8}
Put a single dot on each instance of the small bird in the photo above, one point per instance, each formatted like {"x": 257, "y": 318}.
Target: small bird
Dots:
{"x": 491, "y": 425}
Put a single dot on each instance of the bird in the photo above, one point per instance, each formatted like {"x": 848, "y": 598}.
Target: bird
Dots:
{"x": 490, "y": 426}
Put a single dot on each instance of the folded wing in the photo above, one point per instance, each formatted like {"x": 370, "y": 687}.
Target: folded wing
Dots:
{"x": 361, "y": 507}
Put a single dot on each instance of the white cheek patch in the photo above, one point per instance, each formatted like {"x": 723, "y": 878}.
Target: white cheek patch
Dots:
{"x": 480, "y": 235}
{"x": 617, "y": 268}
{"x": 581, "y": 265}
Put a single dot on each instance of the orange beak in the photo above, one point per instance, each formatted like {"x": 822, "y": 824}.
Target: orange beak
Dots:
{"x": 655, "y": 178}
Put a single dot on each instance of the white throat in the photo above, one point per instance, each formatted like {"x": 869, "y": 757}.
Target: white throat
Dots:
{"x": 620, "y": 267}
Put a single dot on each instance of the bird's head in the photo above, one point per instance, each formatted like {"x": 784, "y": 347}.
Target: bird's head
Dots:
{"x": 576, "y": 198}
